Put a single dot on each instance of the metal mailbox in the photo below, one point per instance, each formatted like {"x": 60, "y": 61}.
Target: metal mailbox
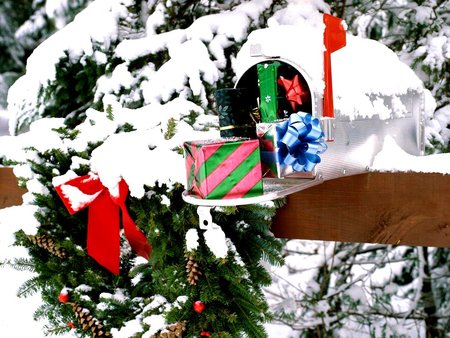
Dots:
{"x": 372, "y": 100}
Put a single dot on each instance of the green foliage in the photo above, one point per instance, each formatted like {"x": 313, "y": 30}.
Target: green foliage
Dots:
{"x": 231, "y": 290}
{"x": 72, "y": 91}
{"x": 229, "y": 287}
{"x": 30, "y": 287}
{"x": 171, "y": 129}
{"x": 24, "y": 24}
{"x": 13, "y": 14}
{"x": 20, "y": 264}
{"x": 54, "y": 273}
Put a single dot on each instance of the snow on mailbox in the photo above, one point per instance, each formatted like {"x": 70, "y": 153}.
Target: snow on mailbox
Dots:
{"x": 357, "y": 88}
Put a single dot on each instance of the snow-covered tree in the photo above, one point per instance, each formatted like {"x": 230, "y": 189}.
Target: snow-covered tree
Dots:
{"x": 11, "y": 53}
{"x": 120, "y": 91}
{"x": 371, "y": 290}
{"x": 24, "y": 24}
{"x": 116, "y": 91}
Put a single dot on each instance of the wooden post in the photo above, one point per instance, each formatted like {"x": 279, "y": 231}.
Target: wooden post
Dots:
{"x": 10, "y": 192}
{"x": 388, "y": 208}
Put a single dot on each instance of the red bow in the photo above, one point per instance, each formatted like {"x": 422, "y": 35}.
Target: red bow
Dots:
{"x": 294, "y": 90}
{"x": 103, "y": 237}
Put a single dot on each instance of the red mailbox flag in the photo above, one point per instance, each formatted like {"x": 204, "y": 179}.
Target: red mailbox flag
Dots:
{"x": 334, "y": 38}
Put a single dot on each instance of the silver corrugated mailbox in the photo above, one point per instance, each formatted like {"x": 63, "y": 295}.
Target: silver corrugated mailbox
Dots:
{"x": 339, "y": 97}
{"x": 373, "y": 93}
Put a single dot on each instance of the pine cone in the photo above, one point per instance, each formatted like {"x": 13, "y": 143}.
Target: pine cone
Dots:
{"x": 87, "y": 321}
{"x": 173, "y": 331}
{"x": 192, "y": 270}
{"x": 47, "y": 243}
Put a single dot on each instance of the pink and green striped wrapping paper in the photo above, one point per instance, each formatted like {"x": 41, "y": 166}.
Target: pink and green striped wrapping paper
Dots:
{"x": 224, "y": 168}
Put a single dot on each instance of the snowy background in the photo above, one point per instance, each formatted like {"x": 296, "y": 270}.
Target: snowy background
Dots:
{"x": 188, "y": 71}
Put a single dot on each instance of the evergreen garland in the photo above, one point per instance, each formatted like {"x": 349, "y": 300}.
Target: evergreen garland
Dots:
{"x": 230, "y": 288}
{"x": 160, "y": 294}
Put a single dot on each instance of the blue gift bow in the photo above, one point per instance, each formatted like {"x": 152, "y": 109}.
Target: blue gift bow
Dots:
{"x": 300, "y": 142}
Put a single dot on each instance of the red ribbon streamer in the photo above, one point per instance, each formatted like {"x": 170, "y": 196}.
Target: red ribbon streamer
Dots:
{"x": 103, "y": 235}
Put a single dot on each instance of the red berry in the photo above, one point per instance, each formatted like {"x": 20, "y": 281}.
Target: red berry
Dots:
{"x": 199, "y": 306}
{"x": 205, "y": 334}
{"x": 63, "y": 297}
{"x": 70, "y": 324}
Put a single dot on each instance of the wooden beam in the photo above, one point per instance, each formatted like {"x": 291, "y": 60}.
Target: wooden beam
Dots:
{"x": 10, "y": 192}
{"x": 388, "y": 208}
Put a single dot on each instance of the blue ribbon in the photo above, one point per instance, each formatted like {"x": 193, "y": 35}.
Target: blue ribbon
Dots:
{"x": 300, "y": 142}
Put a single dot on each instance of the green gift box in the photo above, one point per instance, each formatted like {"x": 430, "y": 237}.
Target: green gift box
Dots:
{"x": 224, "y": 168}
{"x": 268, "y": 90}
{"x": 234, "y": 108}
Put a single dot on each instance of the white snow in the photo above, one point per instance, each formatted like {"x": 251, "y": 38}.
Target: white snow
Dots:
{"x": 216, "y": 241}
{"x": 437, "y": 128}
{"x": 16, "y": 313}
{"x": 88, "y": 28}
{"x": 129, "y": 329}
{"x": 191, "y": 239}
{"x": 4, "y": 130}
{"x": 156, "y": 323}
{"x": 392, "y": 158}
{"x": 78, "y": 200}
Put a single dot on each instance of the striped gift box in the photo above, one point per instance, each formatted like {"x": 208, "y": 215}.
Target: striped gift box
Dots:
{"x": 224, "y": 168}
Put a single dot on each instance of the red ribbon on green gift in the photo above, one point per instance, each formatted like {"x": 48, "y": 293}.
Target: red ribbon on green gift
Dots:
{"x": 103, "y": 234}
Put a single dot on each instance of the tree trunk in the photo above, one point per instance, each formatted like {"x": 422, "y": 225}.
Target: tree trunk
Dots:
{"x": 429, "y": 305}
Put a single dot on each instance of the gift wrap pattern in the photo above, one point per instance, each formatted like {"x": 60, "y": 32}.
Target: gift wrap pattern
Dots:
{"x": 290, "y": 145}
{"x": 268, "y": 90}
{"x": 234, "y": 110}
{"x": 222, "y": 169}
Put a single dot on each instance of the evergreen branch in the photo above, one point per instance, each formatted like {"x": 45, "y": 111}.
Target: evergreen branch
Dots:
{"x": 253, "y": 330}
{"x": 21, "y": 264}
{"x": 267, "y": 250}
{"x": 58, "y": 330}
{"x": 41, "y": 312}
{"x": 29, "y": 287}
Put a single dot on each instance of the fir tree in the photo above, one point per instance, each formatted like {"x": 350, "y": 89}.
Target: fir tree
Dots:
{"x": 157, "y": 291}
